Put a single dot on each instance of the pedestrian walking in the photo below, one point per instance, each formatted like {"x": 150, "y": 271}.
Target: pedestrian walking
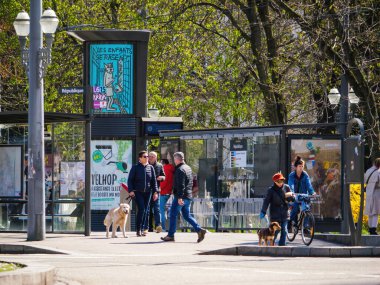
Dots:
{"x": 278, "y": 196}
{"x": 154, "y": 209}
{"x": 142, "y": 186}
{"x": 182, "y": 190}
{"x": 166, "y": 190}
{"x": 372, "y": 203}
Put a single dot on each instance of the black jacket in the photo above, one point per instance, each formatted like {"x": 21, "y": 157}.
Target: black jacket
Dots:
{"x": 159, "y": 170}
{"x": 278, "y": 204}
{"x": 183, "y": 181}
{"x": 142, "y": 178}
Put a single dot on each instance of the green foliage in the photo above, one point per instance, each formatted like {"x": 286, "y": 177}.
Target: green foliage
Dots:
{"x": 215, "y": 63}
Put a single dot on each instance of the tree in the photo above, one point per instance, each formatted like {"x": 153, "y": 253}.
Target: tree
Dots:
{"x": 346, "y": 34}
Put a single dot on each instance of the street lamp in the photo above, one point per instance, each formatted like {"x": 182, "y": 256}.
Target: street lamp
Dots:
{"x": 153, "y": 112}
{"x": 334, "y": 96}
{"x": 35, "y": 59}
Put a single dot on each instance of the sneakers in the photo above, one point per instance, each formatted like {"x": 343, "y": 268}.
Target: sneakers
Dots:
{"x": 158, "y": 229}
{"x": 201, "y": 235}
{"x": 167, "y": 238}
{"x": 144, "y": 233}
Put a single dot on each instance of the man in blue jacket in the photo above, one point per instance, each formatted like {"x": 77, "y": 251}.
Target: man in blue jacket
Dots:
{"x": 299, "y": 182}
{"x": 182, "y": 190}
{"x": 142, "y": 185}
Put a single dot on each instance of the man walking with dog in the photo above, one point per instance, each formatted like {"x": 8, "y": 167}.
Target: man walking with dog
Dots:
{"x": 182, "y": 190}
{"x": 142, "y": 185}
{"x": 278, "y": 196}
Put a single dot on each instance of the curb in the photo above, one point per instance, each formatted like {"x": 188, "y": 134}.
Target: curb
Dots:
{"x": 287, "y": 251}
{"x": 346, "y": 239}
{"x": 26, "y": 249}
{"x": 31, "y": 274}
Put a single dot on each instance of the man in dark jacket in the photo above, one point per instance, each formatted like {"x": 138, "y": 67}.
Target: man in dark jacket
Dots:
{"x": 155, "y": 205}
{"x": 142, "y": 186}
{"x": 278, "y": 199}
{"x": 182, "y": 190}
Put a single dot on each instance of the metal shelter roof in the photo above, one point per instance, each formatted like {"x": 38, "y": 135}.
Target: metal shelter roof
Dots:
{"x": 21, "y": 117}
{"x": 111, "y": 35}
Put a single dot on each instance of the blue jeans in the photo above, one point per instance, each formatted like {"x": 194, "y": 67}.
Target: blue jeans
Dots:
{"x": 294, "y": 212}
{"x": 185, "y": 210}
{"x": 154, "y": 211}
{"x": 142, "y": 202}
{"x": 163, "y": 200}
{"x": 284, "y": 231}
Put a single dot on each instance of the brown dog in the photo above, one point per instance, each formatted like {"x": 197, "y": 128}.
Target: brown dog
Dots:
{"x": 266, "y": 235}
{"x": 117, "y": 217}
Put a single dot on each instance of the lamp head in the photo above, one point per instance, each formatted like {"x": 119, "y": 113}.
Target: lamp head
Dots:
{"x": 49, "y": 21}
{"x": 22, "y": 24}
{"x": 153, "y": 112}
{"x": 352, "y": 97}
{"x": 334, "y": 96}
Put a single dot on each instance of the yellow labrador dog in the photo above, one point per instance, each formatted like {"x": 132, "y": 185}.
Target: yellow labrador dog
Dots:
{"x": 117, "y": 217}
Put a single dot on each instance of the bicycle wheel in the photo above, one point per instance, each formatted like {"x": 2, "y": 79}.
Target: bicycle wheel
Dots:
{"x": 307, "y": 228}
{"x": 292, "y": 231}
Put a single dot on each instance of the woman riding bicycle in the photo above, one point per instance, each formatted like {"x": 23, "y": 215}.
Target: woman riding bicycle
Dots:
{"x": 299, "y": 183}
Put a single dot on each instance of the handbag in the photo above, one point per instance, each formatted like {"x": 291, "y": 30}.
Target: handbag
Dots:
{"x": 365, "y": 188}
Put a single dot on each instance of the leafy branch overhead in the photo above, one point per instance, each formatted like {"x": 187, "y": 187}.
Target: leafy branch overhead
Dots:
{"x": 220, "y": 63}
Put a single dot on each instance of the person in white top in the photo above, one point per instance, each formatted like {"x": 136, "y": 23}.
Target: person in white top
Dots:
{"x": 372, "y": 207}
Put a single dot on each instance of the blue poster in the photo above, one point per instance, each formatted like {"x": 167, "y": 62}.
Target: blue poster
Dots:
{"x": 111, "y": 78}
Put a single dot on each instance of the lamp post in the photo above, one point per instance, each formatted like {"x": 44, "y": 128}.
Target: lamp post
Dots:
{"x": 35, "y": 60}
{"x": 345, "y": 100}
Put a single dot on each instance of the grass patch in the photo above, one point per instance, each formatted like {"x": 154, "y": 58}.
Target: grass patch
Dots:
{"x": 8, "y": 266}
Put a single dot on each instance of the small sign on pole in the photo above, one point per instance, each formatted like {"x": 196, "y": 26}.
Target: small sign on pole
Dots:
{"x": 71, "y": 90}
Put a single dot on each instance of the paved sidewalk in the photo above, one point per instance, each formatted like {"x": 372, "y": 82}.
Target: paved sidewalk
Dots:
{"x": 97, "y": 260}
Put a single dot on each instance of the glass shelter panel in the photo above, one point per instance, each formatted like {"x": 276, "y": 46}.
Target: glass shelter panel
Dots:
{"x": 64, "y": 178}
{"x": 232, "y": 174}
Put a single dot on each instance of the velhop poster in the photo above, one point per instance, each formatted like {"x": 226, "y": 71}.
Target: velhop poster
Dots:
{"x": 111, "y": 78}
{"x": 111, "y": 161}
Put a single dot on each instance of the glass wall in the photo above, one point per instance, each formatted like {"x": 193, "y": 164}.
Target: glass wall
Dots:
{"x": 232, "y": 174}
{"x": 64, "y": 178}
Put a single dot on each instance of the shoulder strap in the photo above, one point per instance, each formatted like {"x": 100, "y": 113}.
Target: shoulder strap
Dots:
{"x": 371, "y": 175}
{"x": 283, "y": 200}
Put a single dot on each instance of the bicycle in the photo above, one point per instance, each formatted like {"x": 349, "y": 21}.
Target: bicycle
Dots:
{"x": 306, "y": 221}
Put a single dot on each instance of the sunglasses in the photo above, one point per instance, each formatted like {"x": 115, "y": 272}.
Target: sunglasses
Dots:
{"x": 145, "y": 156}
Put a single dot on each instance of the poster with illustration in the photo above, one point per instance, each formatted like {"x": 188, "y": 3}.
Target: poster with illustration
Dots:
{"x": 111, "y": 161}
{"x": 323, "y": 164}
{"x": 72, "y": 179}
{"x": 11, "y": 170}
{"x": 111, "y": 78}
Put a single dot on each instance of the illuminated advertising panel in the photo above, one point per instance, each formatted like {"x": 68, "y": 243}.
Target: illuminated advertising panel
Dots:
{"x": 323, "y": 164}
{"x": 111, "y": 161}
{"x": 111, "y": 78}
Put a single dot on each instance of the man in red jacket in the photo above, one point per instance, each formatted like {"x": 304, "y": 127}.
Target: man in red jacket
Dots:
{"x": 166, "y": 190}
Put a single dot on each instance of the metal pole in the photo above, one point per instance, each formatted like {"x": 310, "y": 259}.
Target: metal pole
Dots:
{"x": 342, "y": 130}
{"x": 356, "y": 234}
{"x": 36, "y": 150}
{"x": 87, "y": 196}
